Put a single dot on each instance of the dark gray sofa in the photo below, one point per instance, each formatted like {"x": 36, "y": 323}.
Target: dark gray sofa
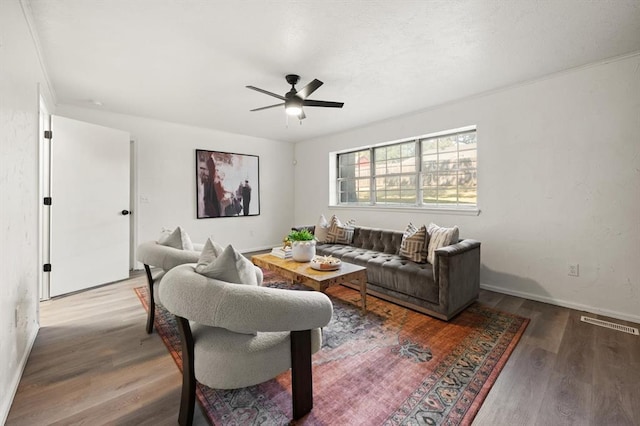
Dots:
{"x": 441, "y": 290}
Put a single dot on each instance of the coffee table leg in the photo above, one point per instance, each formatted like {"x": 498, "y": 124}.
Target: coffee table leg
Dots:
{"x": 363, "y": 291}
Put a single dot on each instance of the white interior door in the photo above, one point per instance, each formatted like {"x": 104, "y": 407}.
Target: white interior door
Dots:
{"x": 90, "y": 191}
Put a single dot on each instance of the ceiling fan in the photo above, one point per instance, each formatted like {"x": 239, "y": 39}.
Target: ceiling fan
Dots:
{"x": 294, "y": 99}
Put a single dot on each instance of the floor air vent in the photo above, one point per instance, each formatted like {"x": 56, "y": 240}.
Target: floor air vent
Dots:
{"x": 611, "y": 325}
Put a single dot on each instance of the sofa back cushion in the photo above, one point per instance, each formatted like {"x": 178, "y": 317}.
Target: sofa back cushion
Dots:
{"x": 382, "y": 240}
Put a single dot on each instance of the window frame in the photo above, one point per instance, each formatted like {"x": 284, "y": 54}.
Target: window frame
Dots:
{"x": 338, "y": 182}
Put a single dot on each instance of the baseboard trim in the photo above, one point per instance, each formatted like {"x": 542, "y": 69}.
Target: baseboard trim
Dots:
{"x": 563, "y": 303}
{"x": 6, "y": 404}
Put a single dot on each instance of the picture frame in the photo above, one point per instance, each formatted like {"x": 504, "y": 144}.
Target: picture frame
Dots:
{"x": 227, "y": 184}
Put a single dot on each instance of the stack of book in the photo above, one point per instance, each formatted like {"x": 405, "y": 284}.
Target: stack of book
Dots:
{"x": 281, "y": 252}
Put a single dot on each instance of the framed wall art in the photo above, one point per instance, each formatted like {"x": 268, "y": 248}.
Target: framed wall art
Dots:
{"x": 227, "y": 184}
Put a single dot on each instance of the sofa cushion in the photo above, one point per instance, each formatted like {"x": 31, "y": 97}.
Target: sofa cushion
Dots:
{"x": 382, "y": 240}
{"x": 413, "y": 243}
{"x": 440, "y": 237}
{"x": 389, "y": 271}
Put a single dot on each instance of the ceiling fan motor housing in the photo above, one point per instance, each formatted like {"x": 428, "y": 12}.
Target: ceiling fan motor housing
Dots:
{"x": 292, "y": 79}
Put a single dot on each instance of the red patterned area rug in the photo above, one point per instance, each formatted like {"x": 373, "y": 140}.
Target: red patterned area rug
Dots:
{"x": 391, "y": 366}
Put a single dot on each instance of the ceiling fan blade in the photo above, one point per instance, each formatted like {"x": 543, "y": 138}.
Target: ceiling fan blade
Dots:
{"x": 309, "y": 89}
{"x": 257, "y": 89}
{"x": 326, "y": 104}
{"x": 267, "y": 107}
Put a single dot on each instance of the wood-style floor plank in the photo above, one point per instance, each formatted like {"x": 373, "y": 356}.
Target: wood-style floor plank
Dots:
{"x": 564, "y": 371}
{"x": 94, "y": 363}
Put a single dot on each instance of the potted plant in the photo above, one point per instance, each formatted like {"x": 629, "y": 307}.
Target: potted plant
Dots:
{"x": 303, "y": 245}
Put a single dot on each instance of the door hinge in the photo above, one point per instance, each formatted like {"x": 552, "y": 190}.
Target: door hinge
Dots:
{"x": 47, "y": 267}
{"x": 47, "y": 201}
{"x": 48, "y": 134}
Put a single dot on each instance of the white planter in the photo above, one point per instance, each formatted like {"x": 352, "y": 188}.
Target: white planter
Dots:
{"x": 303, "y": 251}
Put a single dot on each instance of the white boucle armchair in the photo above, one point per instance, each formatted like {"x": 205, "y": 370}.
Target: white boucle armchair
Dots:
{"x": 236, "y": 335}
{"x": 155, "y": 255}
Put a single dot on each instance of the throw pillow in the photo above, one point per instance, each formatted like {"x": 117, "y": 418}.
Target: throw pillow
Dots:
{"x": 322, "y": 229}
{"x": 413, "y": 243}
{"x": 178, "y": 239}
{"x": 440, "y": 237}
{"x": 340, "y": 233}
{"x": 210, "y": 251}
{"x": 232, "y": 267}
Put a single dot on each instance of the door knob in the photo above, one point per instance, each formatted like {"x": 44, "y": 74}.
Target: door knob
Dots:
{"x": 125, "y": 212}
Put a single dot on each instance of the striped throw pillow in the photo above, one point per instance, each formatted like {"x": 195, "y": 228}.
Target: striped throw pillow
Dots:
{"x": 440, "y": 237}
{"x": 413, "y": 243}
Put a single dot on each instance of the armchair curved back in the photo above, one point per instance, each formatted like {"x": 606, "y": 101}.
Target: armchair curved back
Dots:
{"x": 239, "y": 307}
{"x": 164, "y": 257}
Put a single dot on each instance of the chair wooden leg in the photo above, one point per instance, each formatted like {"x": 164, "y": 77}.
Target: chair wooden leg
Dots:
{"x": 188, "y": 399}
{"x": 301, "y": 379}
{"x": 152, "y": 303}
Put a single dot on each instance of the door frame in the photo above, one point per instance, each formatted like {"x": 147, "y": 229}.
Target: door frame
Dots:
{"x": 44, "y": 190}
{"x": 133, "y": 203}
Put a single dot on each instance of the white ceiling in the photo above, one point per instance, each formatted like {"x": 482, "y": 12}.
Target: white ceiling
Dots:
{"x": 189, "y": 61}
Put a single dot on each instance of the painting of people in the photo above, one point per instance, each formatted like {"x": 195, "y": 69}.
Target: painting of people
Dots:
{"x": 227, "y": 184}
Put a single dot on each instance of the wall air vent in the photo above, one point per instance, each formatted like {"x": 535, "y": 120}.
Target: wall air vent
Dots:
{"x": 611, "y": 325}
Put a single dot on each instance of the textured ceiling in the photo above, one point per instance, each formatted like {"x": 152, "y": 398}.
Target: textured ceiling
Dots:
{"x": 189, "y": 61}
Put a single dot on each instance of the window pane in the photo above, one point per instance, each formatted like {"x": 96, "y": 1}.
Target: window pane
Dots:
{"x": 429, "y": 146}
{"x": 430, "y": 195}
{"x": 447, "y": 144}
{"x": 409, "y": 149}
{"x": 430, "y": 179}
{"x": 409, "y": 165}
{"x": 345, "y": 159}
{"x": 429, "y": 163}
{"x": 393, "y": 166}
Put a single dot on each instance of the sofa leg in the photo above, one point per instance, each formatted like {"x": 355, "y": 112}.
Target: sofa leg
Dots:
{"x": 188, "y": 399}
{"x": 301, "y": 379}
{"x": 152, "y": 303}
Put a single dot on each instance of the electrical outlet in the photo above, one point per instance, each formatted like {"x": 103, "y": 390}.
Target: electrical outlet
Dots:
{"x": 573, "y": 270}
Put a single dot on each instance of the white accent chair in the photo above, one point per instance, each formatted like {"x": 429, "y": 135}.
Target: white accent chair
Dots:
{"x": 236, "y": 335}
{"x": 154, "y": 255}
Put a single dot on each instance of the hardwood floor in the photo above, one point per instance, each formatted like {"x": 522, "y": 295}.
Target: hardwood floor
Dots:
{"x": 93, "y": 363}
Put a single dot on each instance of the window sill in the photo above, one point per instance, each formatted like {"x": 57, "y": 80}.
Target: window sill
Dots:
{"x": 437, "y": 210}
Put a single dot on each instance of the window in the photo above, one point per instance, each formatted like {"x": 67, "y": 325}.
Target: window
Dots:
{"x": 434, "y": 171}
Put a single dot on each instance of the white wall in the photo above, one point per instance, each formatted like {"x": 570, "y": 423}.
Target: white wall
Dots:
{"x": 20, "y": 76}
{"x": 559, "y": 183}
{"x": 166, "y": 177}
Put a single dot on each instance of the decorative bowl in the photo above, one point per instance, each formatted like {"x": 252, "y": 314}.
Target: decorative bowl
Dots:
{"x": 325, "y": 263}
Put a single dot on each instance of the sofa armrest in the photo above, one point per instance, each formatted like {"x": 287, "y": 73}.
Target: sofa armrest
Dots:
{"x": 457, "y": 273}
{"x": 458, "y": 248}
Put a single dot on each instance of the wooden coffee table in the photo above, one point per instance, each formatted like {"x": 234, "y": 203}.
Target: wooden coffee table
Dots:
{"x": 303, "y": 273}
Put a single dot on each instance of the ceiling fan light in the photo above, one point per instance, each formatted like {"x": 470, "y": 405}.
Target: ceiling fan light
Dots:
{"x": 293, "y": 110}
